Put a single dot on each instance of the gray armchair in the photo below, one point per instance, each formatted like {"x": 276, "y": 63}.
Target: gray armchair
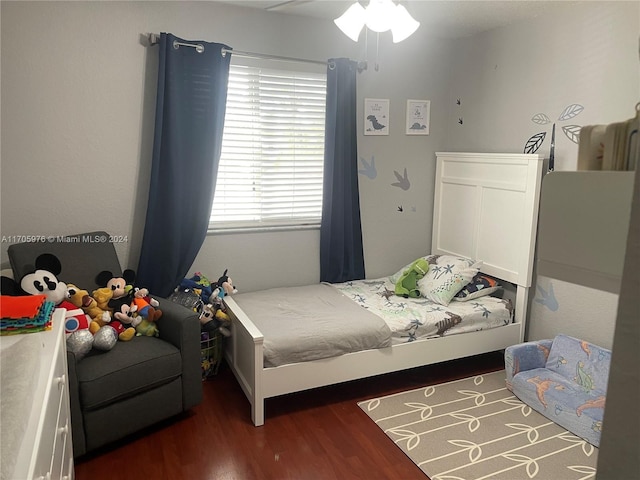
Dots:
{"x": 138, "y": 382}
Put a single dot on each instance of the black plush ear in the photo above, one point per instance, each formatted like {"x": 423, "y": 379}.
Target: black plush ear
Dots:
{"x": 224, "y": 277}
{"x": 49, "y": 262}
{"x": 129, "y": 276}
{"x": 9, "y": 286}
{"x": 103, "y": 277}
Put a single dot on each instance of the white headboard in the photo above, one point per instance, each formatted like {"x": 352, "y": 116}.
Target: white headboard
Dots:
{"x": 486, "y": 208}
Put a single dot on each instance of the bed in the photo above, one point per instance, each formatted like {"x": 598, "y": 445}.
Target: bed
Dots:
{"x": 485, "y": 210}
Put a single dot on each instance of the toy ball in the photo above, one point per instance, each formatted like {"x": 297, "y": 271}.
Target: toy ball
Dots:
{"x": 105, "y": 338}
{"x": 80, "y": 343}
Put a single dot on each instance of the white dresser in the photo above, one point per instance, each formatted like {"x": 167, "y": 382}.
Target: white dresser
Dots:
{"x": 46, "y": 450}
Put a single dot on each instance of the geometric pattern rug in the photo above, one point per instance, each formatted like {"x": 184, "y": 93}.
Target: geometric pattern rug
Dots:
{"x": 474, "y": 429}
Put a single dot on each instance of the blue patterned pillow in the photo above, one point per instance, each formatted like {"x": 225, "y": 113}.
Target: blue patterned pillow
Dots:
{"x": 479, "y": 286}
{"x": 447, "y": 275}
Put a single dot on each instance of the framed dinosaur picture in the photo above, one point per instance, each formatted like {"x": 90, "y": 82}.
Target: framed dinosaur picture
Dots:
{"x": 376, "y": 116}
{"x": 418, "y": 113}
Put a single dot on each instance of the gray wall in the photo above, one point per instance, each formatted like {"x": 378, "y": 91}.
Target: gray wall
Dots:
{"x": 78, "y": 94}
{"x": 585, "y": 54}
{"x": 78, "y": 100}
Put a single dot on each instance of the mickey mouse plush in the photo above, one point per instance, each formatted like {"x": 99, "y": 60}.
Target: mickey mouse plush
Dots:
{"x": 43, "y": 281}
{"x": 121, "y": 287}
{"x": 124, "y": 294}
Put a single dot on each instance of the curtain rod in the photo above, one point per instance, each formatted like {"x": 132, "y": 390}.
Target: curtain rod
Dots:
{"x": 154, "y": 39}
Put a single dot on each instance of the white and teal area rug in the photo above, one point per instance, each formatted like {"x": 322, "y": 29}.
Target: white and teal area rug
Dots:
{"x": 475, "y": 428}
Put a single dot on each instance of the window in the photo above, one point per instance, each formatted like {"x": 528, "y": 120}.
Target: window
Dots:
{"x": 270, "y": 172}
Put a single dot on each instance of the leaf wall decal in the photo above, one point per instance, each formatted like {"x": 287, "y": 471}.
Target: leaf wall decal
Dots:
{"x": 571, "y": 111}
{"x": 540, "y": 119}
{"x": 534, "y": 143}
{"x": 572, "y": 132}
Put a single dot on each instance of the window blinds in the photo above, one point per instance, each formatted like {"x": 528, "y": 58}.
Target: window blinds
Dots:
{"x": 271, "y": 166}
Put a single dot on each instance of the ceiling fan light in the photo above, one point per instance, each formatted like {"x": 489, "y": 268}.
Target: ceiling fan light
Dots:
{"x": 352, "y": 21}
{"x": 379, "y": 15}
{"x": 404, "y": 25}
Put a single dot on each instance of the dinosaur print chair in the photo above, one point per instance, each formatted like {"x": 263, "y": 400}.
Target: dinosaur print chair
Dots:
{"x": 565, "y": 379}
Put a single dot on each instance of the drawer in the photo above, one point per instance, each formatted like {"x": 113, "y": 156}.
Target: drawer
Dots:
{"x": 67, "y": 470}
{"x": 61, "y": 448}
{"x": 54, "y": 409}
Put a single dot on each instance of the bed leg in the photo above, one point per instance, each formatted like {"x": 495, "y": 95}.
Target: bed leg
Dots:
{"x": 257, "y": 413}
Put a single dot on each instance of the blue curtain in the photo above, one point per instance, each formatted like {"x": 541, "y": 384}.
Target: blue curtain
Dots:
{"x": 341, "y": 253}
{"x": 190, "y": 109}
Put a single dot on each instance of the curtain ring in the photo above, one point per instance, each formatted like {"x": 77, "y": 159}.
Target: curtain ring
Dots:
{"x": 198, "y": 46}
{"x": 332, "y": 65}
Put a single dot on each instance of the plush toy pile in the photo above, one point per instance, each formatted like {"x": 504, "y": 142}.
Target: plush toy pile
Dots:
{"x": 214, "y": 317}
{"x": 206, "y": 298}
{"x": 117, "y": 311}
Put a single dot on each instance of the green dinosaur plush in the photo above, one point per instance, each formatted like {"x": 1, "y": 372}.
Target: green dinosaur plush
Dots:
{"x": 407, "y": 284}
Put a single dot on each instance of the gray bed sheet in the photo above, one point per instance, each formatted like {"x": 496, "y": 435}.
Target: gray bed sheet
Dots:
{"x": 311, "y": 322}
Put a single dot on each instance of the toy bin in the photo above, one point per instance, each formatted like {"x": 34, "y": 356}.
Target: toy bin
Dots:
{"x": 211, "y": 350}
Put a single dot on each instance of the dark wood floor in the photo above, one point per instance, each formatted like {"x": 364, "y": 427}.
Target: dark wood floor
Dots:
{"x": 318, "y": 434}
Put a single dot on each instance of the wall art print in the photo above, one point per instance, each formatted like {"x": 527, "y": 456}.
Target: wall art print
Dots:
{"x": 376, "y": 116}
{"x": 418, "y": 117}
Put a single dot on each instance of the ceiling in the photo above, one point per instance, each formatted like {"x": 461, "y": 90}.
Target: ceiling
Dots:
{"x": 448, "y": 18}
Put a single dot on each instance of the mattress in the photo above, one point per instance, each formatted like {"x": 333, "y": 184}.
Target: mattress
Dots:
{"x": 325, "y": 320}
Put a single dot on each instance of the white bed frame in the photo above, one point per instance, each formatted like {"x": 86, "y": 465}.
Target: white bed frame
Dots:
{"x": 485, "y": 207}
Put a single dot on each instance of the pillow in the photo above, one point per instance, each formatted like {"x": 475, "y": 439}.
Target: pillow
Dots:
{"x": 447, "y": 275}
{"x": 479, "y": 286}
{"x": 396, "y": 276}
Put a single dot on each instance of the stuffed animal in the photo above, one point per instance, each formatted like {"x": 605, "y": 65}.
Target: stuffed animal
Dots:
{"x": 102, "y": 297}
{"x": 213, "y": 320}
{"x": 43, "y": 281}
{"x": 200, "y": 284}
{"x": 407, "y": 284}
{"x": 121, "y": 287}
{"x": 225, "y": 321}
{"x": 147, "y": 328}
{"x": 124, "y": 293}
{"x": 226, "y": 285}
{"x": 104, "y": 336}
{"x": 207, "y": 317}
{"x": 128, "y": 319}
{"x": 81, "y": 299}
{"x": 146, "y": 305}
